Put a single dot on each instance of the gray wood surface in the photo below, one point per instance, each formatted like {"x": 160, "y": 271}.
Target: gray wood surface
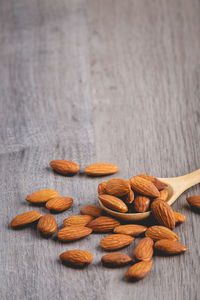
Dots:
{"x": 94, "y": 81}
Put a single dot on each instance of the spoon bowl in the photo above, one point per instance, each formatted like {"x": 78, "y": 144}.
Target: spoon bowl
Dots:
{"x": 176, "y": 186}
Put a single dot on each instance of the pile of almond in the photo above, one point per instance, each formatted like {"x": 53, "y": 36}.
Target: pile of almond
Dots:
{"x": 140, "y": 194}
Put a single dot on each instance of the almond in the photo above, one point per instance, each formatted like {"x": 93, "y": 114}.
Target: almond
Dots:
{"x": 194, "y": 201}
{"x": 179, "y": 218}
{"x": 103, "y": 224}
{"x": 129, "y": 198}
{"x": 144, "y": 249}
{"x": 100, "y": 169}
{"x": 144, "y": 186}
{"x": 116, "y": 241}
{"x": 77, "y": 258}
{"x": 163, "y": 213}
{"x": 64, "y": 167}
{"x": 59, "y": 204}
{"x": 163, "y": 195}
{"x": 170, "y": 247}
{"x": 159, "y": 184}
{"x": 139, "y": 270}
{"x": 116, "y": 260}
{"x": 91, "y": 210}
{"x": 78, "y": 220}
{"x": 141, "y": 204}
{"x": 117, "y": 187}
{"x": 113, "y": 203}
{"x": 42, "y": 196}
{"x": 72, "y": 233}
{"x": 47, "y": 225}
{"x": 130, "y": 229}
{"x": 25, "y": 218}
{"x": 160, "y": 232}
{"x": 102, "y": 188}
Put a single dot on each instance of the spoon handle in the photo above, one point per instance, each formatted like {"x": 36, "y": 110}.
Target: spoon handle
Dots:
{"x": 189, "y": 180}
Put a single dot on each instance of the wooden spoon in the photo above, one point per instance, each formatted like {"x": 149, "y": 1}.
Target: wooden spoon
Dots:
{"x": 176, "y": 186}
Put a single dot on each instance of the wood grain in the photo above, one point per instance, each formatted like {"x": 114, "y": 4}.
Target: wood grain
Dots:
{"x": 94, "y": 81}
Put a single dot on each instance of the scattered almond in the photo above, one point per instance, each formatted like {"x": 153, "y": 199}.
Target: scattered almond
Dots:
{"x": 116, "y": 260}
{"x": 139, "y": 270}
{"x": 78, "y": 220}
{"x": 103, "y": 224}
{"x": 64, "y": 167}
{"x": 25, "y": 218}
{"x": 77, "y": 258}
{"x": 42, "y": 196}
{"x": 141, "y": 204}
{"x": 117, "y": 187}
{"x": 91, "y": 210}
{"x": 130, "y": 229}
{"x": 102, "y": 188}
{"x": 159, "y": 184}
{"x": 116, "y": 241}
{"x": 113, "y": 203}
{"x": 160, "y": 232}
{"x": 144, "y": 186}
{"x": 163, "y": 213}
{"x": 59, "y": 204}
{"x": 170, "y": 247}
{"x": 194, "y": 201}
{"x": 144, "y": 249}
{"x": 100, "y": 169}
{"x": 47, "y": 225}
{"x": 179, "y": 218}
{"x": 72, "y": 233}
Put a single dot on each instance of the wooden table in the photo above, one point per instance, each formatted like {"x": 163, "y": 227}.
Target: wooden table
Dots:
{"x": 94, "y": 81}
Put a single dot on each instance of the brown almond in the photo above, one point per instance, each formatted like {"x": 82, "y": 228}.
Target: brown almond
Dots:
{"x": 91, "y": 210}
{"x": 139, "y": 270}
{"x": 170, "y": 247}
{"x": 179, "y": 218}
{"x": 163, "y": 213}
{"x": 141, "y": 204}
{"x": 64, "y": 167}
{"x": 117, "y": 187}
{"x": 114, "y": 260}
{"x": 103, "y": 224}
{"x": 144, "y": 186}
{"x": 100, "y": 169}
{"x": 129, "y": 198}
{"x": 194, "y": 201}
{"x": 72, "y": 233}
{"x": 77, "y": 220}
{"x": 25, "y": 218}
{"x": 159, "y": 184}
{"x": 47, "y": 225}
{"x": 116, "y": 241}
{"x": 144, "y": 249}
{"x": 130, "y": 229}
{"x": 160, "y": 232}
{"x": 164, "y": 195}
{"x": 102, "y": 188}
{"x": 59, "y": 204}
{"x": 77, "y": 258}
{"x": 113, "y": 203}
{"x": 42, "y": 196}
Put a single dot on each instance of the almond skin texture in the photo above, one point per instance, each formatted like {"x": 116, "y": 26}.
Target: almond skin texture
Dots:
{"x": 116, "y": 241}
{"x": 160, "y": 232}
{"x": 59, "y": 204}
{"x": 113, "y": 260}
{"x": 129, "y": 198}
{"x": 113, "y": 203}
{"x": 100, "y": 169}
{"x": 163, "y": 213}
{"x": 164, "y": 195}
{"x": 77, "y": 258}
{"x": 144, "y": 249}
{"x": 179, "y": 218}
{"x": 159, "y": 184}
{"x": 47, "y": 225}
{"x": 25, "y": 218}
{"x": 144, "y": 187}
{"x": 194, "y": 201}
{"x": 141, "y": 204}
{"x": 103, "y": 224}
{"x": 130, "y": 229}
{"x": 117, "y": 187}
{"x": 170, "y": 247}
{"x": 72, "y": 233}
{"x": 78, "y": 220}
{"x": 139, "y": 270}
{"x": 91, "y": 210}
{"x": 42, "y": 196}
{"x": 64, "y": 167}
{"x": 102, "y": 188}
